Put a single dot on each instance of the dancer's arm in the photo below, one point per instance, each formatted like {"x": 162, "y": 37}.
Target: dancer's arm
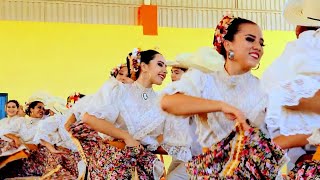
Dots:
{"x": 184, "y": 105}
{"x": 109, "y": 129}
{"x": 308, "y": 104}
{"x": 286, "y": 142}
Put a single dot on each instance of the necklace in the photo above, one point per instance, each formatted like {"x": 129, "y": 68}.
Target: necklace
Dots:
{"x": 144, "y": 91}
{"x": 144, "y": 96}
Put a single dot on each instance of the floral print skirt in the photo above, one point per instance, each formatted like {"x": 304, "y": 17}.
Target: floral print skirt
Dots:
{"x": 109, "y": 162}
{"x": 241, "y": 155}
{"x": 40, "y": 162}
{"x": 306, "y": 170}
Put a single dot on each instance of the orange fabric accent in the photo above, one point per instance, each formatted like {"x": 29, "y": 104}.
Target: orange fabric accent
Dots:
{"x": 205, "y": 149}
{"x": 32, "y": 147}
{"x": 316, "y": 155}
{"x": 19, "y": 155}
{"x": 148, "y": 18}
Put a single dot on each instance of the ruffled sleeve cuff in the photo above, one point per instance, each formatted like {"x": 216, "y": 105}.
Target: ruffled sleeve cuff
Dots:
{"x": 315, "y": 137}
{"x": 179, "y": 152}
{"x": 289, "y": 94}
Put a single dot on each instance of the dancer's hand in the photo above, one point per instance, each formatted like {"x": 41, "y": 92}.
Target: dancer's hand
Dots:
{"x": 55, "y": 151}
{"x": 86, "y": 117}
{"x": 130, "y": 142}
{"x": 69, "y": 122}
{"x": 17, "y": 142}
{"x": 234, "y": 114}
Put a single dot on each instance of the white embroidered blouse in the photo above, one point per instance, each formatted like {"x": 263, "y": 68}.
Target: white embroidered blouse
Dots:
{"x": 53, "y": 131}
{"x": 294, "y": 75}
{"x": 130, "y": 107}
{"x": 242, "y": 91}
{"x": 24, "y": 127}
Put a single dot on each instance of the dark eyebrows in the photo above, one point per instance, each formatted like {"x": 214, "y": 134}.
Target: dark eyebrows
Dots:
{"x": 162, "y": 63}
{"x": 253, "y": 36}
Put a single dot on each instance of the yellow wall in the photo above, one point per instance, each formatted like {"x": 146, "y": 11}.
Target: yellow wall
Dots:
{"x": 63, "y": 58}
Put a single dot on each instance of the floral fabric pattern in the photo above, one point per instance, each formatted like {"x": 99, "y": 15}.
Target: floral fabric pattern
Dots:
{"x": 258, "y": 158}
{"x": 42, "y": 161}
{"x": 220, "y": 31}
{"x": 6, "y": 146}
{"x": 108, "y": 162}
{"x": 306, "y": 170}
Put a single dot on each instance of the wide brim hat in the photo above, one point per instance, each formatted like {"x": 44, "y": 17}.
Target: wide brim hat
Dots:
{"x": 183, "y": 57}
{"x": 302, "y": 12}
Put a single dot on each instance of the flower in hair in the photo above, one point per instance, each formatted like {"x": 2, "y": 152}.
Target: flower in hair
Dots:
{"x": 221, "y": 30}
{"x": 114, "y": 72}
{"x": 73, "y": 98}
{"x": 135, "y": 59}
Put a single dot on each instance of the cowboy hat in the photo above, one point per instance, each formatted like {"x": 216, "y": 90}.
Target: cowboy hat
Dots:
{"x": 180, "y": 58}
{"x": 205, "y": 59}
{"x": 302, "y": 12}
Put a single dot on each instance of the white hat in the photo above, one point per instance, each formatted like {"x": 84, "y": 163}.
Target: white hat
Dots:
{"x": 206, "y": 59}
{"x": 183, "y": 57}
{"x": 302, "y": 12}
{"x": 56, "y": 107}
{"x": 56, "y": 104}
{"x": 39, "y": 96}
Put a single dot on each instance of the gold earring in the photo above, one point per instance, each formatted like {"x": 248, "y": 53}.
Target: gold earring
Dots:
{"x": 256, "y": 68}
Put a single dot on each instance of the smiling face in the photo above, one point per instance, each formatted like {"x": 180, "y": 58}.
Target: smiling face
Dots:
{"x": 156, "y": 69}
{"x": 176, "y": 73}
{"x": 11, "y": 109}
{"x": 37, "y": 111}
{"x": 247, "y": 46}
{"x": 122, "y": 76}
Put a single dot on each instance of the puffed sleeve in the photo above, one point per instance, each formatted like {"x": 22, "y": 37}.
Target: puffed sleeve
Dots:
{"x": 12, "y": 126}
{"x": 177, "y": 139}
{"x": 48, "y": 130}
{"x": 103, "y": 104}
{"x": 192, "y": 83}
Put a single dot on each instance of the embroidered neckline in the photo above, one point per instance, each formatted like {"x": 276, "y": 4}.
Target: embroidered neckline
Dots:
{"x": 233, "y": 80}
{"x": 145, "y": 93}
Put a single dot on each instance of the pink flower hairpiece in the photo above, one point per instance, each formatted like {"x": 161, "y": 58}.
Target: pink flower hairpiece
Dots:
{"x": 221, "y": 30}
{"x": 114, "y": 72}
{"x": 135, "y": 59}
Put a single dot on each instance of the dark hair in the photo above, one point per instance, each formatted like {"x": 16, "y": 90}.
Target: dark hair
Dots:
{"x": 128, "y": 65}
{"x": 31, "y": 106}
{"x": 301, "y": 29}
{"x": 184, "y": 69}
{"x": 146, "y": 57}
{"x": 13, "y": 101}
{"x": 233, "y": 29}
{"x": 181, "y": 68}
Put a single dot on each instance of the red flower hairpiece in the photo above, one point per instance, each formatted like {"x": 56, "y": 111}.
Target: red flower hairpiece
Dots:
{"x": 221, "y": 30}
{"x": 135, "y": 60}
{"x": 114, "y": 72}
{"x": 72, "y": 99}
